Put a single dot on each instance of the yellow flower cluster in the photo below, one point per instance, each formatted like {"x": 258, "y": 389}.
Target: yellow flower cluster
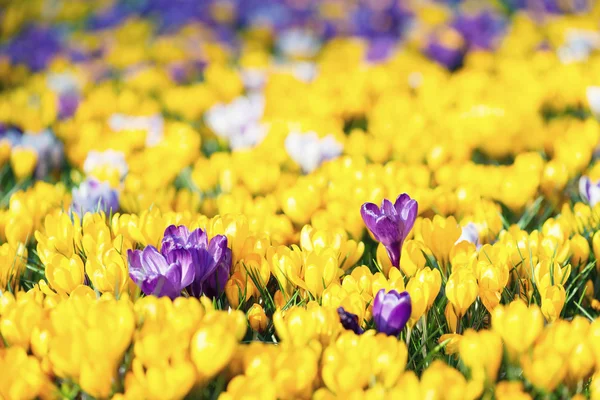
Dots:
{"x": 183, "y": 211}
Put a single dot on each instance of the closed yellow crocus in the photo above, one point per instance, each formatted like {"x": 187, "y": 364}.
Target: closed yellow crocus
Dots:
{"x": 257, "y": 318}
{"x": 173, "y": 380}
{"x": 65, "y": 274}
{"x": 349, "y": 250}
{"x": 432, "y": 282}
{"x": 13, "y": 259}
{"x": 212, "y": 348}
{"x": 18, "y": 321}
{"x": 482, "y": 353}
{"x": 58, "y": 236}
{"x": 23, "y": 162}
{"x": 320, "y": 270}
{"x": 462, "y": 290}
{"x": 580, "y": 249}
{"x": 412, "y": 259}
{"x": 22, "y": 376}
{"x": 439, "y": 235}
{"x": 548, "y": 273}
{"x": 553, "y": 301}
{"x": 519, "y": 325}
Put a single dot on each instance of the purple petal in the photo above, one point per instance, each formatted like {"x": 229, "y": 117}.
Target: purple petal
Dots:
{"x": 584, "y": 188}
{"x": 390, "y": 301}
{"x": 175, "y": 237}
{"x": 386, "y": 230}
{"x": 183, "y": 258}
{"x": 198, "y": 239}
{"x": 391, "y": 311}
{"x": 387, "y": 208}
{"x": 370, "y": 212}
{"x": 378, "y": 305}
{"x": 136, "y": 270}
{"x": 174, "y": 275}
{"x": 159, "y": 285}
{"x": 400, "y": 315}
{"x": 154, "y": 262}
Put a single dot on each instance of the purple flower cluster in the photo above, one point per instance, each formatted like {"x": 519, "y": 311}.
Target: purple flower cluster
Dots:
{"x": 186, "y": 261}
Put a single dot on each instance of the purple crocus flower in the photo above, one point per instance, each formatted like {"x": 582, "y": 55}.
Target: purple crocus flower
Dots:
{"x": 349, "y": 321}
{"x": 380, "y": 49}
{"x": 391, "y": 311}
{"x": 93, "y": 195}
{"x": 34, "y": 47}
{"x": 391, "y": 223}
{"x": 161, "y": 274}
{"x": 481, "y": 31}
{"x": 67, "y": 105}
{"x": 447, "y": 48}
{"x": 589, "y": 191}
{"x": 211, "y": 260}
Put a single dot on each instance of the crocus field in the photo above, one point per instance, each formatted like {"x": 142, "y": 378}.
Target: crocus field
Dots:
{"x": 299, "y": 199}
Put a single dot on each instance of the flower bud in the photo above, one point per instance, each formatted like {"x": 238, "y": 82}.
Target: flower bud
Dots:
{"x": 391, "y": 311}
{"x": 257, "y": 318}
{"x": 580, "y": 249}
{"x": 23, "y": 162}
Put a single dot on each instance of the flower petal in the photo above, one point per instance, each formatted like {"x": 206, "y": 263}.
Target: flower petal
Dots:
{"x": 153, "y": 261}
{"x": 370, "y": 212}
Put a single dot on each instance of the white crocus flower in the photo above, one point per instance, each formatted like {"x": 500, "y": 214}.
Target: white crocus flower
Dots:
{"x": 578, "y": 46}
{"x": 153, "y": 125}
{"x": 239, "y": 122}
{"x": 310, "y": 151}
{"x": 298, "y": 43}
{"x": 108, "y": 158}
{"x": 593, "y": 98}
{"x": 63, "y": 83}
{"x": 470, "y": 233}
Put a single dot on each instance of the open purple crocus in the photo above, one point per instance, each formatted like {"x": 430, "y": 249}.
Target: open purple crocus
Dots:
{"x": 158, "y": 274}
{"x": 391, "y": 311}
{"x": 391, "y": 223}
{"x": 187, "y": 260}
{"x": 211, "y": 260}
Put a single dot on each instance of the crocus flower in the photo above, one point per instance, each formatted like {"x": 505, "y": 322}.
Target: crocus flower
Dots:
{"x": 310, "y": 151}
{"x": 391, "y": 223}
{"x": 349, "y": 321}
{"x": 153, "y": 125}
{"x": 380, "y": 49}
{"x": 93, "y": 195}
{"x": 106, "y": 159}
{"x": 48, "y": 148}
{"x": 447, "y": 48}
{"x": 589, "y": 191}
{"x": 470, "y": 234}
{"x": 578, "y": 46}
{"x": 211, "y": 260}
{"x": 158, "y": 274}
{"x": 391, "y": 311}
{"x": 593, "y": 98}
{"x": 297, "y": 43}
{"x": 239, "y": 122}
{"x": 480, "y": 31}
